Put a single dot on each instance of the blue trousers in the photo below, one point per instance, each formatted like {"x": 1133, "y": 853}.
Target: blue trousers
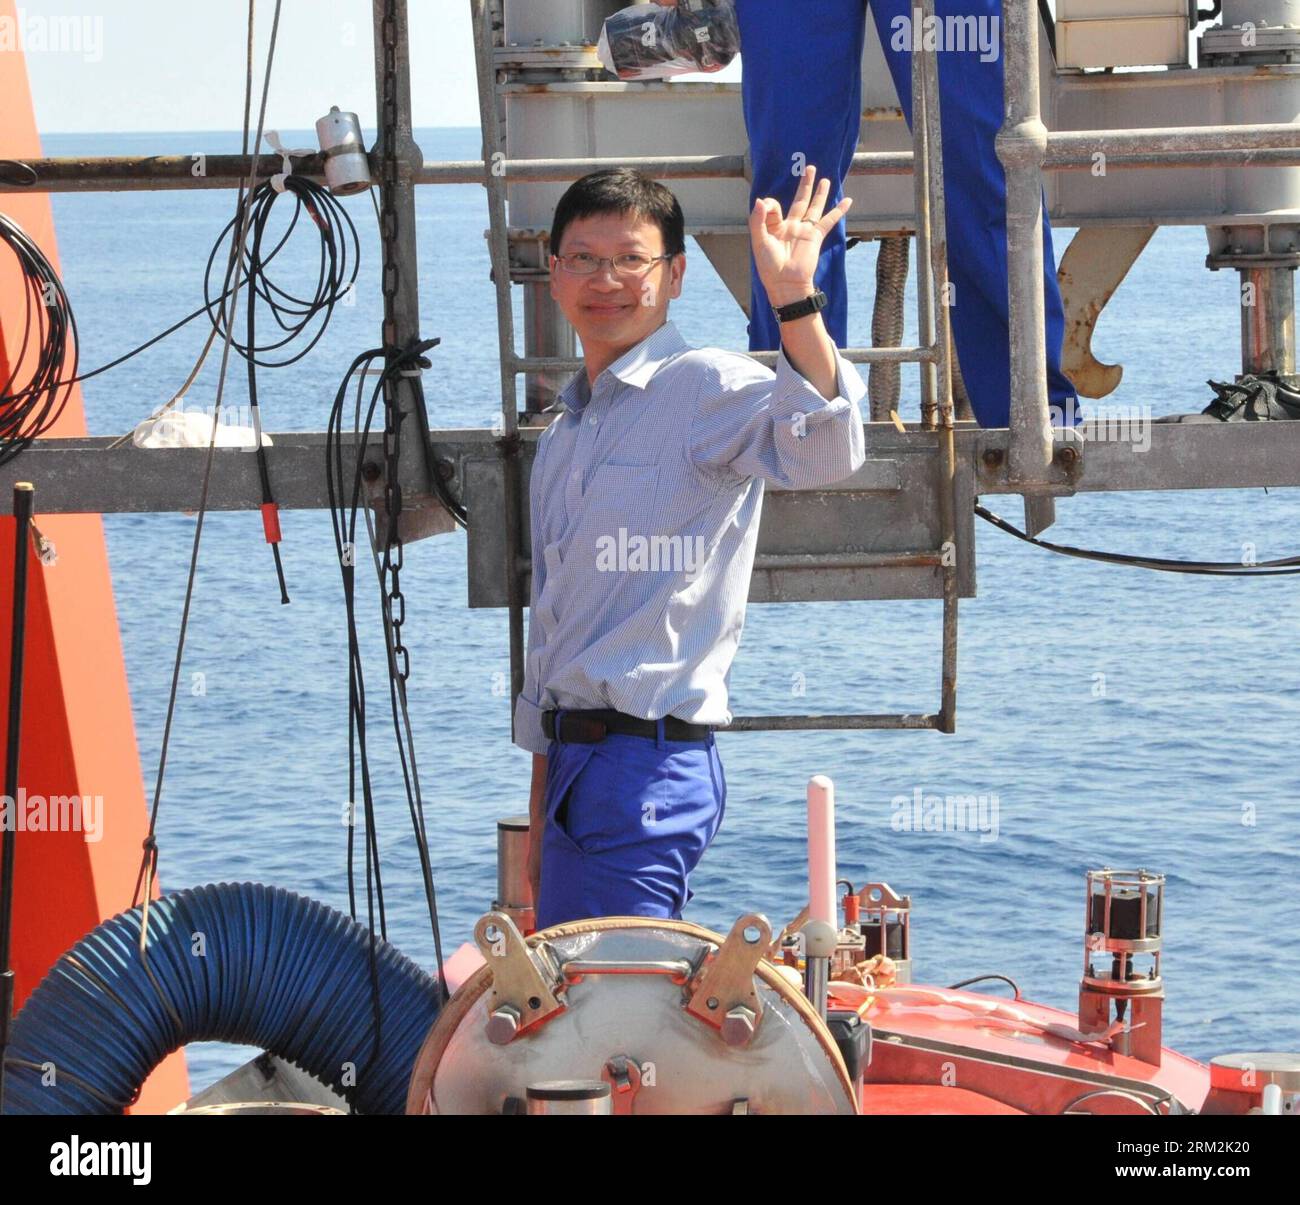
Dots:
{"x": 627, "y": 820}
{"x": 802, "y": 90}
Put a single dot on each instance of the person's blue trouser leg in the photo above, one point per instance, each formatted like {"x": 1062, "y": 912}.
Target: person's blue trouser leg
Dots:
{"x": 627, "y": 820}
{"x": 784, "y": 46}
{"x": 801, "y": 86}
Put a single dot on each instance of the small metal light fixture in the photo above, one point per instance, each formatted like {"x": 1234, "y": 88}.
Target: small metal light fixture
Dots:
{"x": 347, "y": 171}
{"x": 1124, "y": 914}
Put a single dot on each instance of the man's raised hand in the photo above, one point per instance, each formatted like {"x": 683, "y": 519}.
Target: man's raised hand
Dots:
{"x": 787, "y": 248}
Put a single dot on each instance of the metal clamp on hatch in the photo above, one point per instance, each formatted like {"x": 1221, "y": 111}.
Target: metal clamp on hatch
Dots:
{"x": 722, "y": 991}
{"x": 524, "y": 981}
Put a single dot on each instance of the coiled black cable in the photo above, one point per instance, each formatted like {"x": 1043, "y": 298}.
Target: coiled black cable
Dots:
{"x": 337, "y": 264}
{"x": 36, "y": 389}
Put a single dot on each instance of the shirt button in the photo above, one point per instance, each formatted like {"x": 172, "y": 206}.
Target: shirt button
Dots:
{"x": 575, "y": 474}
{"x": 592, "y": 420}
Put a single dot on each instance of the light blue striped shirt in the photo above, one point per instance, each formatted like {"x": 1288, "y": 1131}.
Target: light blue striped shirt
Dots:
{"x": 645, "y": 497}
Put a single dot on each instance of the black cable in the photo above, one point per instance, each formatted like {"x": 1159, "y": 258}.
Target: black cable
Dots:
{"x": 338, "y": 257}
{"x": 171, "y": 330}
{"x": 339, "y": 254}
{"x": 348, "y": 497}
{"x": 1049, "y": 24}
{"x": 386, "y": 571}
{"x": 1277, "y": 568}
{"x": 344, "y": 523}
{"x": 29, "y": 408}
{"x": 34, "y": 393}
{"x": 357, "y": 744}
{"x": 206, "y": 308}
{"x": 981, "y": 978}
{"x": 16, "y": 177}
{"x": 30, "y": 405}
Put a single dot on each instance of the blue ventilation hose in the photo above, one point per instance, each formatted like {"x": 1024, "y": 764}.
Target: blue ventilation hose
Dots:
{"x": 230, "y": 962}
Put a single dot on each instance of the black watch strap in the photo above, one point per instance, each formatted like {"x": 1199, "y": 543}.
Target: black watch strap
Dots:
{"x": 801, "y": 309}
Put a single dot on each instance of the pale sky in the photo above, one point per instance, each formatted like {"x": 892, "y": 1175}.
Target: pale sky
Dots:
{"x": 140, "y": 65}
{"x": 169, "y": 65}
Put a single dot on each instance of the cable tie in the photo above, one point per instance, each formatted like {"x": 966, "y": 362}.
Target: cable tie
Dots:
{"x": 286, "y": 167}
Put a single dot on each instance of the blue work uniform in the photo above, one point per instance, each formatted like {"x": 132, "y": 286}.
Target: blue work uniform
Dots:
{"x": 802, "y": 90}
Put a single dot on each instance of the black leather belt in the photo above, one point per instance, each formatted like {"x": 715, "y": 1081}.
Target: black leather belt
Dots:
{"x": 588, "y": 727}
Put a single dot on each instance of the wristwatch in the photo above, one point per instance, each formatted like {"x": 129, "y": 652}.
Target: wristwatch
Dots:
{"x": 801, "y": 309}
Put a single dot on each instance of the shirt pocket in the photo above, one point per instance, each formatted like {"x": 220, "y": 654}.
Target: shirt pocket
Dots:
{"x": 620, "y": 504}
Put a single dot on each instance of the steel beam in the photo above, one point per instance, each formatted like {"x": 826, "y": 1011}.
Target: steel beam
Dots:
{"x": 1138, "y": 454}
{"x": 1074, "y": 150}
{"x": 77, "y": 476}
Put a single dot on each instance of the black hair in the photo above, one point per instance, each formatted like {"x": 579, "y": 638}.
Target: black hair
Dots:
{"x": 621, "y": 190}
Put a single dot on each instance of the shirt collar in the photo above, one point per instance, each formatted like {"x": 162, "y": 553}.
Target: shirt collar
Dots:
{"x": 636, "y": 366}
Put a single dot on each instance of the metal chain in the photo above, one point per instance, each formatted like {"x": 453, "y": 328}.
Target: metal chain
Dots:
{"x": 393, "y": 415}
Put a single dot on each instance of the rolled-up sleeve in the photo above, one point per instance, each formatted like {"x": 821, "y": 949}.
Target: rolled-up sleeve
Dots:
{"x": 777, "y": 426}
{"x": 528, "y": 709}
{"x": 528, "y": 725}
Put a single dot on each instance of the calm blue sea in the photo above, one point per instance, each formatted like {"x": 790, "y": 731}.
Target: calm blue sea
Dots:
{"x": 1118, "y": 716}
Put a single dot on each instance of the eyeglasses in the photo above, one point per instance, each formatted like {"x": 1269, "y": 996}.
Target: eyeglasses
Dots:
{"x": 628, "y": 264}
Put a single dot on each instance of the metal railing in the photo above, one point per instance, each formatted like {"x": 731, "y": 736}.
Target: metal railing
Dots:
{"x": 1268, "y": 145}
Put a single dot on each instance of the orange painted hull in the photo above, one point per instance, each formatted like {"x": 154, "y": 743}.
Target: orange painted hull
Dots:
{"x": 1003, "y": 1056}
{"x": 77, "y": 734}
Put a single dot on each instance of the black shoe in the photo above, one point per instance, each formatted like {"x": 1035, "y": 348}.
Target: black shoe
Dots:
{"x": 1254, "y": 398}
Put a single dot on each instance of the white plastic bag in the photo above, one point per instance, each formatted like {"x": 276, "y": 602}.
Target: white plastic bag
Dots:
{"x": 191, "y": 429}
